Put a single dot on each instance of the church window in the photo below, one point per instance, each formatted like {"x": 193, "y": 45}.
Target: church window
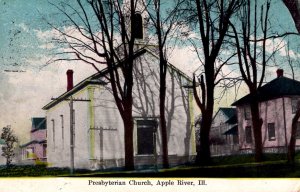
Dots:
{"x": 138, "y": 26}
{"x": 145, "y": 136}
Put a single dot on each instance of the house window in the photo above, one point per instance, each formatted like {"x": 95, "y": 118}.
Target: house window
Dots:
{"x": 271, "y": 131}
{"x": 248, "y": 133}
{"x": 145, "y": 136}
{"x": 247, "y": 113}
{"x": 298, "y": 131}
{"x": 138, "y": 26}
{"x": 29, "y": 153}
{"x": 294, "y": 105}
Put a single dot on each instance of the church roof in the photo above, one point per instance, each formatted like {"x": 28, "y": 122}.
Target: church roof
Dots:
{"x": 279, "y": 87}
{"x": 95, "y": 78}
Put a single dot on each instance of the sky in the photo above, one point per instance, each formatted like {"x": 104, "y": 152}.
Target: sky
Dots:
{"x": 26, "y": 47}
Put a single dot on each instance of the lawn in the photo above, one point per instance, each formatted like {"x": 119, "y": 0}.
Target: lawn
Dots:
{"x": 239, "y": 166}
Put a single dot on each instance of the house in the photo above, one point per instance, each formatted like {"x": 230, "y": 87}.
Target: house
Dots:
{"x": 224, "y": 133}
{"x": 36, "y": 149}
{"x": 99, "y": 130}
{"x": 277, "y": 106}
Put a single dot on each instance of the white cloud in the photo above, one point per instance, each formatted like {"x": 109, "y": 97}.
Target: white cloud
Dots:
{"x": 185, "y": 59}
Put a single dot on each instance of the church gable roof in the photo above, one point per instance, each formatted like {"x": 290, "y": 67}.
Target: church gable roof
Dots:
{"x": 279, "y": 87}
{"x": 95, "y": 78}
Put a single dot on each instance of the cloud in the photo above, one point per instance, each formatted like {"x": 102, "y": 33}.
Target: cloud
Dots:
{"x": 280, "y": 45}
{"x": 184, "y": 58}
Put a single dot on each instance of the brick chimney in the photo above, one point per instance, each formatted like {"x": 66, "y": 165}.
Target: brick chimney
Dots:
{"x": 279, "y": 72}
{"x": 69, "y": 80}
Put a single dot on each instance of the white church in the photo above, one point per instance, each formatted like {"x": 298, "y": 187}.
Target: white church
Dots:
{"x": 98, "y": 127}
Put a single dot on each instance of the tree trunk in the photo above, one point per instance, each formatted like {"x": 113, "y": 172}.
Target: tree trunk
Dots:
{"x": 203, "y": 156}
{"x": 128, "y": 140}
{"x": 257, "y": 124}
{"x": 164, "y": 134}
{"x": 291, "y": 147}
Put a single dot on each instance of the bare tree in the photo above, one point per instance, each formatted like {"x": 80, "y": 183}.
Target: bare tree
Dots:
{"x": 291, "y": 147}
{"x": 292, "y": 143}
{"x": 106, "y": 29}
{"x": 164, "y": 27}
{"x": 250, "y": 41}
{"x": 212, "y": 19}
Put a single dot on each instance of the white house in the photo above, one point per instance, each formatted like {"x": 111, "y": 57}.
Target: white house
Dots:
{"x": 277, "y": 107}
{"x": 224, "y": 133}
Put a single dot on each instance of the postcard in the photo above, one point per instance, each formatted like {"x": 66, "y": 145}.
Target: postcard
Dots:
{"x": 149, "y": 95}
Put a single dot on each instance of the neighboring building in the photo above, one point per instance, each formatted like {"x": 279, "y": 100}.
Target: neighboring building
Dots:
{"x": 277, "y": 106}
{"x": 224, "y": 132}
{"x": 36, "y": 149}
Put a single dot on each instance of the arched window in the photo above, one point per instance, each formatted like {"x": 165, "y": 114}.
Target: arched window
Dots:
{"x": 138, "y": 26}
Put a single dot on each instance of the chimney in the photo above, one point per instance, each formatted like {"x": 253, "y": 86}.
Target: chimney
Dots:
{"x": 69, "y": 80}
{"x": 279, "y": 73}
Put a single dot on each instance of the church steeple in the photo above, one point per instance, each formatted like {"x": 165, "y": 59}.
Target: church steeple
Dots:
{"x": 138, "y": 26}
{"x": 139, "y": 22}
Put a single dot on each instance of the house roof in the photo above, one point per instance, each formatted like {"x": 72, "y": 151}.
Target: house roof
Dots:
{"x": 38, "y": 123}
{"x": 229, "y": 112}
{"x": 232, "y": 131}
{"x": 279, "y": 87}
{"x": 33, "y": 142}
{"x": 232, "y": 119}
{"x": 95, "y": 79}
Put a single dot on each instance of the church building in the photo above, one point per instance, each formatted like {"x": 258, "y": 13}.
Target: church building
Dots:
{"x": 98, "y": 127}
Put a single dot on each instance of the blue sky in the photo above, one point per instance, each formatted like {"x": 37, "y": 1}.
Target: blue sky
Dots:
{"x": 25, "y": 44}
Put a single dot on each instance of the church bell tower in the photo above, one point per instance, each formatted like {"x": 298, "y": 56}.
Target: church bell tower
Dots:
{"x": 139, "y": 22}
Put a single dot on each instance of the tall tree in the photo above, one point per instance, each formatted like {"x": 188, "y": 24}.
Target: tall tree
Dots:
{"x": 164, "y": 27}
{"x": 292, "y": 143}
{"x": 291, "y": 147}
{"x": 10, "y": 140}
{"x": 213, "y": 22}
{"x": 103, "y": 33}
{"x": 252, "y": 58}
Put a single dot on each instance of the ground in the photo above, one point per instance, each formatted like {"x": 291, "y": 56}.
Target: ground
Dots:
{"x": 225, "y": 167}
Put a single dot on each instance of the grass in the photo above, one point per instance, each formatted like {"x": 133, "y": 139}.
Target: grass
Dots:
{"x": 239, "y": 166}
